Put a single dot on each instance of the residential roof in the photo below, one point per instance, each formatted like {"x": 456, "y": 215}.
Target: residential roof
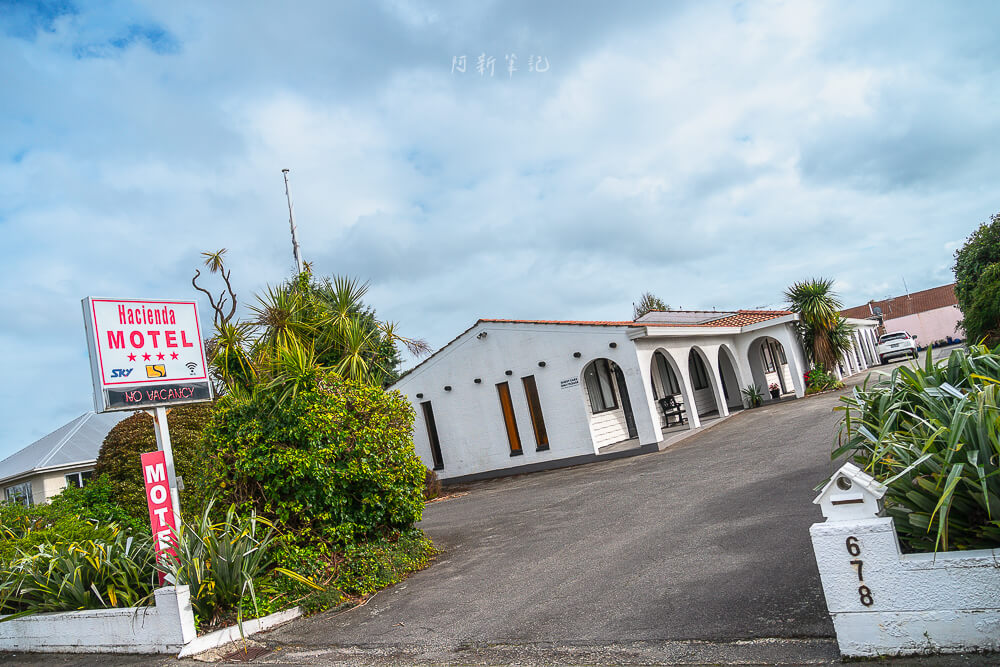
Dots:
{"x": 79, "y": 441}
{"x": 901, "y": 306}
{"x": 672, "y": 318}
{"x": 738, "y": 318}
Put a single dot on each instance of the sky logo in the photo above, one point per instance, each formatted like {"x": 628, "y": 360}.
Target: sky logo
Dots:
{"x": 121, "y": 372}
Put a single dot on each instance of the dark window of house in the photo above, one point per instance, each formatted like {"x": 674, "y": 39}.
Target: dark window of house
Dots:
{"x": 432, "y": 435}
{"x": 79, "y": 479}
{"x": 507, "y": 407}
{"x": 20, "y": 494}
{"x": 765, "y": 354}
{"x": 600, "y": 386}
{"x": 667, "y": 377}
{"x": 535, "y": 410}
{"x": 699, "y": 378}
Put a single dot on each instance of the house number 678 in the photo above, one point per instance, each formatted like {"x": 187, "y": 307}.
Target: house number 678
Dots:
{"x": 864, "y": 592}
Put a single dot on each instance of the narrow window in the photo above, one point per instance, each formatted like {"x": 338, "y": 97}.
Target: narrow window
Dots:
{"x": 535, "y": 410}
{"x": 670, "y": 384}
{"x": 507, "y": 407}
{"x": 600, "y": 387}
{"x": 765, "y": 354}
{"x": 699, "y": 378}
{"x": 432, "y": 435}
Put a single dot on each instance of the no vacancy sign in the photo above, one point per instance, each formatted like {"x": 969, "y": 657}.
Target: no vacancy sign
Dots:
{"x": 145, "y": 353}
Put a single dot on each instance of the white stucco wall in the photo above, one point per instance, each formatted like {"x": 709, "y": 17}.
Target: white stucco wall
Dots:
{"x": 930, "y": 325}
{"x": 469, "y": 420}
{"x": 885, "y": 603}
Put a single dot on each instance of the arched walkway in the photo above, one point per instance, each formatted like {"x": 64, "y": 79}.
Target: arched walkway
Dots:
{"x": 609, "y": 407}
{"x": 668, "y": 389}
{"x": 730, "y": 376}
{"x": 769, "y": 365}
{"x": 706, "y": 398}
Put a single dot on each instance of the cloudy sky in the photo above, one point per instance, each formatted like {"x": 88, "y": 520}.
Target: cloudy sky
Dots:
{"x": 709, "y": 152}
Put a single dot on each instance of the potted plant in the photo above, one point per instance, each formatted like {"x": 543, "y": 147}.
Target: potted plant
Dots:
{"x": 775, "y": 390}
{"x": 752, "y": 395}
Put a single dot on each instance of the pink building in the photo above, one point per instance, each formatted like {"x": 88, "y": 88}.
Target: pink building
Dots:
{"x": 931, "y": 315}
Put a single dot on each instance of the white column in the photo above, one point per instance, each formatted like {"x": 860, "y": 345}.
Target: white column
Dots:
{"x": 796, "y": 358}
{"x": 648, "y": 407}
{"x": 712, "y": 352}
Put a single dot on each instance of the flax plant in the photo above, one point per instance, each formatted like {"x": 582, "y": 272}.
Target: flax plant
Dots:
{"x": 932, "y": 435}
{"x": 73, "y": 575}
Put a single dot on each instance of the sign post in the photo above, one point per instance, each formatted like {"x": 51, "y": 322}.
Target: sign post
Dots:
{"x": 147, "y": 354}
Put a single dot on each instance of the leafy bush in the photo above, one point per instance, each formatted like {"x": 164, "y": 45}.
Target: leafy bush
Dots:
{"x": 98, "y": 502}
{"x": 331, "y": 460}
{"x": 932, "y": 435}
{"x": 23, "y": 528}
{"x": 818, "y": 379}
{"x": 370, "y": 566}
{"x": 977, "y": 282}
{"x": 118, "y": 459}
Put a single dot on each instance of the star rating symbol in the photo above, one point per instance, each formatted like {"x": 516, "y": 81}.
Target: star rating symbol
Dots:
{"x": 173, "y": 355}
{"x": 131, "y": 357}
{"x": 160, "y": 356}
{"x": 146, "y": 357}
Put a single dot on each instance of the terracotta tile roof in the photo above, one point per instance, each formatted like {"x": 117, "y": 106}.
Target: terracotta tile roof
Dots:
{"x": 901, "y": 306}
{"x": 728, "y": 319}
{"x": 577, "y": 322}
{"x": 743, "y": 318}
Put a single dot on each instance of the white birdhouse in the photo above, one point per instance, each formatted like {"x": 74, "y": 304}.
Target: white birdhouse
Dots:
{"x": 850, "y": 495}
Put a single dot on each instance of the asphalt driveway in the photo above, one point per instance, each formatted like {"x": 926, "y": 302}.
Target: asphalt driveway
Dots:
{"x": 697, "y": 554}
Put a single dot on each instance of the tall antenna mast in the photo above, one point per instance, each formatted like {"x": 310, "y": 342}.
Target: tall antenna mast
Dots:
{"x": 905, "y": 287}
{"x": 291, "y": 223}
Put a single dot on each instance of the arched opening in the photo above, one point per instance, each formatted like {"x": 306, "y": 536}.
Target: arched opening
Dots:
{"x": 731, "y": 385}
{"x": 702, "y": 385}
{"x": 609, "y": 408}
{"x": 769, "y": 365}
{"x": 667, "y": 390}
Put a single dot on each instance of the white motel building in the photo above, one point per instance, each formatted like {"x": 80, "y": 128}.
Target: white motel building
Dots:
{"x": 512, "y": 396}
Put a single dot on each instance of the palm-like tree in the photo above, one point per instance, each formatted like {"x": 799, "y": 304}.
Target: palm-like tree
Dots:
{"x": 825, "y": 334}
{"x": 301, "y": 328}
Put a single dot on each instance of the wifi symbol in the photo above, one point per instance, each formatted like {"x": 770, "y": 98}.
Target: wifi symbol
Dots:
{"x": 191, "y": 366}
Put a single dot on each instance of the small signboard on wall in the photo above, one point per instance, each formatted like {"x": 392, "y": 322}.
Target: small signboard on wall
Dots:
{"x": 572, "y": 382}
{"x": 145, "y": 353}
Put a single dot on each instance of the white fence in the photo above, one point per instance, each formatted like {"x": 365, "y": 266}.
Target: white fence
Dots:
{"x": 167, "y": 627}
{"x": 886, "y": 603}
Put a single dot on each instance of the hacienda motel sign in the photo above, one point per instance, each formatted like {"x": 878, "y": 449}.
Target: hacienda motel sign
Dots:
{"x": 147, "y": 354}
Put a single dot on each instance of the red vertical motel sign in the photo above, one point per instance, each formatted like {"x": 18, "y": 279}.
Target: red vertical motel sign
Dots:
{"x": 161, "y": 506}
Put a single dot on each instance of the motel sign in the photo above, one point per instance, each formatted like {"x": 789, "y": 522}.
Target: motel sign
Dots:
{"x": 145, "y": 353}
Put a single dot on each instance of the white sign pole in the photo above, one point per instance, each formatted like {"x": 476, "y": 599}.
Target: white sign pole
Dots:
{"x": 159, "y": 415}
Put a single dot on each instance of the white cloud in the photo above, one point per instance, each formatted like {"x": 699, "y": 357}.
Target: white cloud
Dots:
{"x": 710, "y": 153}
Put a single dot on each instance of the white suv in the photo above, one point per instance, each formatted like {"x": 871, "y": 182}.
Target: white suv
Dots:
{"x": 896, "y": 344}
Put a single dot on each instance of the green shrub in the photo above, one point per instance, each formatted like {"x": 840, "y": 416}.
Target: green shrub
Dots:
{"x": 932, "y": 435}
{"x": 118, "y": 459}
{"x": 22, "y": 528}
{"x": 331, "y": 462}
{"x": 370, "y": 566}
{"x": 818, "y": 379}
{"x": 98, "y": 502}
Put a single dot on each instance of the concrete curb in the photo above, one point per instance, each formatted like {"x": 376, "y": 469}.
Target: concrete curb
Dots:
{"x": 232, "y": 633}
